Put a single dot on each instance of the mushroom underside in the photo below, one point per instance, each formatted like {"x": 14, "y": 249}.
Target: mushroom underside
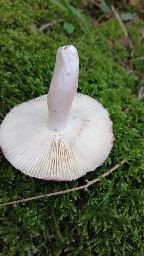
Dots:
{"x": 31, "y": 147}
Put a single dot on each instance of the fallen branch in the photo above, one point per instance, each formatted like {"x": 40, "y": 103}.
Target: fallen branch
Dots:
{"x": 89, "y": 183}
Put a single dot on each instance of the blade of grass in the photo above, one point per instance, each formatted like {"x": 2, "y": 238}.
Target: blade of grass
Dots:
{"x": 75, "y": 13}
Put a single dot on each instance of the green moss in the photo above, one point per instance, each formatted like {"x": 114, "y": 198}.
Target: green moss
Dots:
{"x": 105, "y": 219}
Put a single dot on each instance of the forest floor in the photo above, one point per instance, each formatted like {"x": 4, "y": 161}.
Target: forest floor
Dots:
{"x": 106, "y": 218}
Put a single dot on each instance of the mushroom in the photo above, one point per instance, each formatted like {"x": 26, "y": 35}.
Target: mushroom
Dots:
{"x": 59, "y": 136}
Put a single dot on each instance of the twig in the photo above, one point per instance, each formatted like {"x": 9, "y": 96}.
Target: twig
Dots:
{"x": 50, "y": 24}
{"x": 89, "y": 183}
{"x": 131, "y": 52}
{"x": 44, "y": 26}
{"x": 141, "y": 93}
{"x": 96, "y": 4}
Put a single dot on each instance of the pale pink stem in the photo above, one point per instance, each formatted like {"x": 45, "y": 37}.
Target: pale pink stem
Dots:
{"x": 63, "y": 88}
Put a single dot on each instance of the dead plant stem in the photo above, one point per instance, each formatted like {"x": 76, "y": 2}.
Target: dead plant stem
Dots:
{"x": 131, "y": 49}
{"x": 89, "y": 183}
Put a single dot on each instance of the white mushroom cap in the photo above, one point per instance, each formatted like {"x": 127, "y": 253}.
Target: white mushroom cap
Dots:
{"x": 38, "y": 151}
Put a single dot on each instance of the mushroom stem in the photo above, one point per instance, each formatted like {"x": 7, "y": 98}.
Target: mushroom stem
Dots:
{"x": 63, "y": 88}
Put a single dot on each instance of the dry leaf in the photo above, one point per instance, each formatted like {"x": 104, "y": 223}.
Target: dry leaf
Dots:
{"x": 127, "y": 110}
{"x": 124, "y": 41}
{"x": 110, "y": 42}
{"x": 133, "y": 2}
{"x": 142, "y": 33}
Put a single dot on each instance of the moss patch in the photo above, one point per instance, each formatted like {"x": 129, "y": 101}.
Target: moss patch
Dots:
{"x": 106, "y": 219}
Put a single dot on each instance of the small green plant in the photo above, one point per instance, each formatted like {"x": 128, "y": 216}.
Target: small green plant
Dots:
{"x": 75, "y": 14}
{"x": 69, "y": 27}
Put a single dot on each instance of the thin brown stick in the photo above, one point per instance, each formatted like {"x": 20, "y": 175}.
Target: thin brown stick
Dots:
{"x": 131, "y": 52}
{"x": 96, "y": 4}
{"x": 50, "y": 24}
{"x": 119, "y": 20}
{"x": 47, "y": 25}
{"x": 89, "y": 183}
